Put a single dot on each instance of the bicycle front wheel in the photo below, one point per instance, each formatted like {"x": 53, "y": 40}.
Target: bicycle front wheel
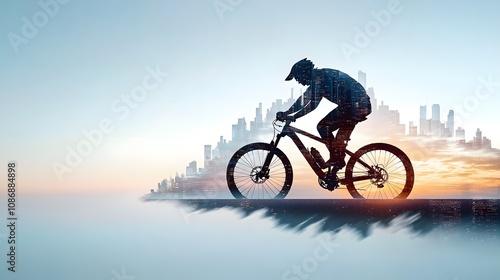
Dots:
{"x": 379, "y": 171}
{"x": 244, "y": 176}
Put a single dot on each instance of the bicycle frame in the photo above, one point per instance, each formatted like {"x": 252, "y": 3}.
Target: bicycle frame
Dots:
{"x": 293, "y": 132}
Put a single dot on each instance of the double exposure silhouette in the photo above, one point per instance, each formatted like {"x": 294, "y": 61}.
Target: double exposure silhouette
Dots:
{"x": 338, "y": 87}
{"x": 378, "y": 170}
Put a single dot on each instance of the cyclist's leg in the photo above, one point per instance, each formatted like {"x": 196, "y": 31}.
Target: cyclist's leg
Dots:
{"x": 329, "y": 124}
{"x": 326, "y": 127}
{"x": 337, "y": 154}
{"x": 337, "y": 144}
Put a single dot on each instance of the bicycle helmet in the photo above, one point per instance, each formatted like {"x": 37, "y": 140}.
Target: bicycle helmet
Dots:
{"x": 301, "y": 71}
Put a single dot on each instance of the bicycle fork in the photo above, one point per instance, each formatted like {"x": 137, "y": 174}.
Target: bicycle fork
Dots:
{"x": 263, "y": 174}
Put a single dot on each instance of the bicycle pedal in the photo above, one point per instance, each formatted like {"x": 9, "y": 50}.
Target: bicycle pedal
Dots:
{"x": 332, "y": 188}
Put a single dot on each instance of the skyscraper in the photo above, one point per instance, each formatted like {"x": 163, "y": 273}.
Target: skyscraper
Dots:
{"x": 371, "y": 93}
{"x": 389, "y": 119}
{"x": 423, "y": 122}
{"x": 258, "y": 120}
{"x": 207, "y": 155}
{"x": 450, "y": 123}
{"x": 191, "y": 170}
{"x": 460, "y": 133}
{"x": 478, "y": 139}
{"x": 486, "y": 143}
{"x": 239, "y": 130}
{"x": 436, "y": 112}
{"x": 362, "y": 78}
{"x": 412, "y": 130}
{"x": 258, "y": 114}
{"x": 436, "y": 121}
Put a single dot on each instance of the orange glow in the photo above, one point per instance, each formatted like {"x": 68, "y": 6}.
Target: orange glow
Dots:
{"x": 446, "y": 171}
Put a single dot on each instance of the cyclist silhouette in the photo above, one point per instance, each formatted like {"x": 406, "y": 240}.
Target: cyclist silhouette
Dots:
{"x": 338, "y": 87}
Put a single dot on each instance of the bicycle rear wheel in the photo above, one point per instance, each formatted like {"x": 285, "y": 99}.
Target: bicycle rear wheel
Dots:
{"x": 379, "y": 171}
{"x": 244, "y": 176}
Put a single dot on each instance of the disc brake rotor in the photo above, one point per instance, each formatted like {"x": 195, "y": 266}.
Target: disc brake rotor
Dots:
{"x": 380, "y": 177}
{"x": 256, "y": 175}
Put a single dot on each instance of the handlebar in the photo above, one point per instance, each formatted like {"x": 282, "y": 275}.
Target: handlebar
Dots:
{"x": 280, "y": 116}
{"x": 286, "y": 122}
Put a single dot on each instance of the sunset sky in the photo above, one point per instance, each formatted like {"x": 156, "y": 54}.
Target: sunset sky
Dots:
{"x": 150, "y": 82}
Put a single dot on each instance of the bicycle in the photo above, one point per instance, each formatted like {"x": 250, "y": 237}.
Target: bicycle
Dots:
{"x": 262, "y": 170}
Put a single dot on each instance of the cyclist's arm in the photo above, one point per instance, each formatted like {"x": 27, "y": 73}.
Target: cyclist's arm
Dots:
{"x": 310, "y": 104}
{"x": 304, "y": 110}
{"x": 296, "y": 107}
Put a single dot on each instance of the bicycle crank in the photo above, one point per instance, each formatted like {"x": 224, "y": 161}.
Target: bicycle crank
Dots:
{"x": 330, "y": 182}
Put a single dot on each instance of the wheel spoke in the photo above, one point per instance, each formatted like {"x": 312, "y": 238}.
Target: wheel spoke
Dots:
{"x": 393, "y": 177}
{"x": 273, "y": 182}
{"x": 245, "y": 179}
{"x": 270, "y": 189}
{"x": 247, "y": 161}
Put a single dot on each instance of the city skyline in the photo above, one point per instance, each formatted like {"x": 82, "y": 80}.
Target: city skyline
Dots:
{"x": 239, "y": 129}
{"x": 243, "y": 134}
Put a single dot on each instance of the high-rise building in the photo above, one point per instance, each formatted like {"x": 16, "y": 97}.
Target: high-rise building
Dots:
{"x": 460, "y": 133}
{"x": 275, "y": 107}
{"x": 191, "y": 170}
{"x": 412, "y": 130}
{"x": 423, "y": 120}
{"x": 393, "y": 116}
{"x": 371, "y": 93}
{"x": 258, "y": 114}
{"x": 478, "y": 140}
{"x": 162, "y": 187}
{"x": 486, "y": 143}
{"x": 239, "y": 131}
{"x": 384, "y": 109}
{"x": 436, "y": 121}
{"x": 221, "y": 149}
{"x": 389, "y": 118}
{"x": 450, "y": 123}
{"x": 291, "y": 98}
{"x": 258, "y": 121}
{"x": 436, "y": 112}
{"x": 207, "y": 155}
{"x": 362, "y": 78}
